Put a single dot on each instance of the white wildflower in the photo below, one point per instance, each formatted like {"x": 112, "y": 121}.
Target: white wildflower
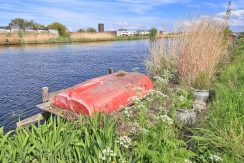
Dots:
{"x": 187, "y": 161}
{"x": 161, "y": 80}
{"x": 134, "y": 98}
{"x": 108, "y": 154}
{"x": 136, "y": 127}
{"x": 124, "y": 141}
{"x": 127, "y": 112}
{"x": 182, "y": 98}
{"x": 215, "y": 158}
{"x": 166, "y": 119}
{"x": 152, "y": 91}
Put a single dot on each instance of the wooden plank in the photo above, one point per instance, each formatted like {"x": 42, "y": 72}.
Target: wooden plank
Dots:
{"x": 34, "y": 119}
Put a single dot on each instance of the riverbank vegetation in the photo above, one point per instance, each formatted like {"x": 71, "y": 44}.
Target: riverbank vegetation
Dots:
{"x": 148, "y": 131}
{"x": 49, "y": 38}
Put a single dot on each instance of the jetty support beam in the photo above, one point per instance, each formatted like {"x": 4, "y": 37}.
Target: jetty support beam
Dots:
{"x": 34, "y": 119}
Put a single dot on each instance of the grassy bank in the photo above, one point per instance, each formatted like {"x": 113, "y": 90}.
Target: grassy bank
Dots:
{"x": 222, "y": 132}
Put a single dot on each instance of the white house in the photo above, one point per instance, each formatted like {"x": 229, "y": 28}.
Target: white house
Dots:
{"x": 54, "y": 31}
{"x": 125, "y": 32}
{"x": 14, "y": 29}
{"x": 4, "y": 30}
{"x": 143, "y": 32}
{"x": 30, "y": 30}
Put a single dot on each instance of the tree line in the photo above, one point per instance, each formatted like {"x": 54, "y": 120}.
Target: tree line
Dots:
{"x": 62, "y": 29}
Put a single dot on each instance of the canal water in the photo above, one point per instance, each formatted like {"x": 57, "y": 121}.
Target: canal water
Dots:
{"x": 24, "y": 70}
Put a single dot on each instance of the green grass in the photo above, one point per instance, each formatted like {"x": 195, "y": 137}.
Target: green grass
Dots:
{"x": 61, "y": 141}
{"x": 222, "y": 133}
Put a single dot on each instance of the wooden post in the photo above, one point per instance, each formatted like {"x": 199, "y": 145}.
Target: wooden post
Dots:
{"x": 110, "y": 70}
{"x": 45, "y": 94}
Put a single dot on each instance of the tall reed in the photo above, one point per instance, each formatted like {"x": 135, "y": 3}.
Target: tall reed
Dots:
{"x": 91, "y": 36}
{"x": 199, "y": 48}
{"x": 18, "y": 38}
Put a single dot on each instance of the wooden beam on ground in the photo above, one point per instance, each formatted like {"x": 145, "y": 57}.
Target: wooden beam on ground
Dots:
{"x": 34, "y": 119}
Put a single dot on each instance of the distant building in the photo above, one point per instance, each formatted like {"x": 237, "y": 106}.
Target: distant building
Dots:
{"x": 125, "y": 32}
{"x": 29, "y": 29}
{"x": 53, "y": 31}
{"x": 163, "y": 32}
{"x": 143, "y": 32}
{"x": 100, "y": 27}
{"x": 15, "y": 29}
{"x": 4, "y": 29}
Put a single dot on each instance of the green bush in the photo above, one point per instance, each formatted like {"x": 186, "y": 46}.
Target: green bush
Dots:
{"x": 90, "y": 30}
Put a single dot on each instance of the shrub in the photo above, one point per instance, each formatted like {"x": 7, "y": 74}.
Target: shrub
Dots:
{"x": 62, "y": 30}
{"x": 153, "y": 33}
{"x": 91, "y": 30}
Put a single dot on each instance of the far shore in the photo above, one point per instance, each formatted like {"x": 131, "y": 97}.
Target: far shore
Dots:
{"x": 75, "y": 37}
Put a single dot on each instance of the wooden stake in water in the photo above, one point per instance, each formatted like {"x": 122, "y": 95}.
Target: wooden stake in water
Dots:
{"x": 110, "y": 71}
{"x": 45, "y": 94}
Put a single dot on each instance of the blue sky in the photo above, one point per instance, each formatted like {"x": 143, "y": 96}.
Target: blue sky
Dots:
{"x": 131, "y": 14}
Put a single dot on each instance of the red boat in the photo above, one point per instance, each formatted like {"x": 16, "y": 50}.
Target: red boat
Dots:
{"x": 104, "y": 94}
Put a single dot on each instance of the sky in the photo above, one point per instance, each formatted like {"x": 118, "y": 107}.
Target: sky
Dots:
{"x": 130, "y": 14}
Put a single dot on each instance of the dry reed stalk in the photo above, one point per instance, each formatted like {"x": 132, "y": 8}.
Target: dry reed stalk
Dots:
{"x": 9, "y": 38}
{"x": 201, "y": 49}
{"x": 41, "y": 37}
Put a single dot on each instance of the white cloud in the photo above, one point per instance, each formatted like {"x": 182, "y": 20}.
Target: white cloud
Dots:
{"x": 237, "y": 17}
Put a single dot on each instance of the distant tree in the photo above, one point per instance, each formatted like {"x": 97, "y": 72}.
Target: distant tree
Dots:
{"x": 153, "y": 33}
{"x": 91, "y": 30}
{"x": 81, "y": 30}
{"x": 62, "y": 30}
{"x": 22, "y": 23}
{"x": 36, "y": 25}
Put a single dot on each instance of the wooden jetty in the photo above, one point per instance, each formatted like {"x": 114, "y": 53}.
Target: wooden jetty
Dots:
{"x": 49, "y": 109}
